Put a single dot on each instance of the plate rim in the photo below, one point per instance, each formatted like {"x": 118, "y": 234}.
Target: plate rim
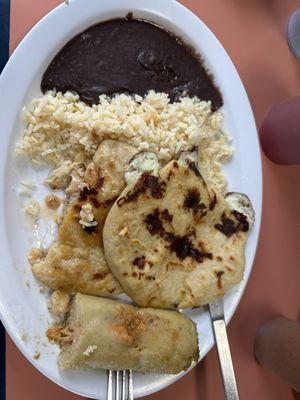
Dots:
{"x": 14, "y": 58}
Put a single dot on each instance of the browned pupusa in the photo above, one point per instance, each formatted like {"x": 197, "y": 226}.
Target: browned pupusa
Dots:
{"x": 75, "y": 261}
{"x": 172, "y": 241}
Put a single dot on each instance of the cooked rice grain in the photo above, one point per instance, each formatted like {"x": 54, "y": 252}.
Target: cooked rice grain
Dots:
{"x": 61, "y": 128}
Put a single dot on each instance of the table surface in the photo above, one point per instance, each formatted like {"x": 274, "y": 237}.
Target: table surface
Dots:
{"x": 252, "y": 31}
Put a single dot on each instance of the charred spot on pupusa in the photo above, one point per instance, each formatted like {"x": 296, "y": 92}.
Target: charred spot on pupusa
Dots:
{"x": 145, "y": 161}
{"x": 241, "y": 203}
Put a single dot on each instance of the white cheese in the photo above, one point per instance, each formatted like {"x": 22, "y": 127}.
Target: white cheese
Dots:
{"x": 140, "y": 163}
{"x": 87, "y": 216}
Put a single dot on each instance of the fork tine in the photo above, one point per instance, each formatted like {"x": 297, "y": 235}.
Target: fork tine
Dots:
{"x": 130, "y": 385}
{"x": 110, "y": 385}
{"x": 120, "y": 385}
{"x": 117, "y": 385}
{"x": 124, "y": 384}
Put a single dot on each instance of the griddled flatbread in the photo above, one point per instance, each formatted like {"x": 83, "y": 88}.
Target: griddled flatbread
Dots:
{"x": 102, "y": 333}
{"x": 75, "y": 261}
{"x": 172, "y": 241}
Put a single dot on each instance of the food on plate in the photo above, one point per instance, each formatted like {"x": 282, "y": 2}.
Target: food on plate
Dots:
{"x": 60, "y": 177}
{"x": 75, "y": 261}
{"x": 33, "y": 208}
{"x": 141, "y": 162}
{"x": 168, "y": 102}
{"x": 129, "y": 56}
{"x": 64, "y": 132}
{"x": 241, "y": 203}
{"x": 127, "y": 103}
{"x": 102, "y": 333}
{"x": 183, "y": 244}
{"x": 59, "y": 303}
{"x": 52, "y": 202}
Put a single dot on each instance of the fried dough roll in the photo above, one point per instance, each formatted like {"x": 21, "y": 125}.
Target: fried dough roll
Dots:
{"x": 104, "y": 334}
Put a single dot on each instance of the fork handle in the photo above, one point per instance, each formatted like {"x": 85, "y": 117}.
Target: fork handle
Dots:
{"x": 227, "y": 371}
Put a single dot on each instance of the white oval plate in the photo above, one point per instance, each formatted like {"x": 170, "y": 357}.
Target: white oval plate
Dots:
{"x": 22, "y": 308}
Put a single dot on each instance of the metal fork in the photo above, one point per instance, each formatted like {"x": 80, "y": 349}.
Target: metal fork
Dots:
{"x": 120, "y": 385}
{"x": 216, "y": 310}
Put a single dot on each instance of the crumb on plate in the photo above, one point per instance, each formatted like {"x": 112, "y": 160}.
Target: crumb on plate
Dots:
{"x": 89, "y": 350}
{"x": 59, "y": 303}
{"x": 36, "y": 254}
{"x": 52, "y": 201}
{"x": 24, "y": 336}
{"x": 33, "y": 208}
{"x": 42, "y": 288}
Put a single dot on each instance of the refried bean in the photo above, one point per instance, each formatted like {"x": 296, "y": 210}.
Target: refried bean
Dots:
{"x": 129, "y": 56}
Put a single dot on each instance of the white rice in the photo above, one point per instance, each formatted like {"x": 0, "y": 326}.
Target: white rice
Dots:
{"x": 61, "y": 128}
